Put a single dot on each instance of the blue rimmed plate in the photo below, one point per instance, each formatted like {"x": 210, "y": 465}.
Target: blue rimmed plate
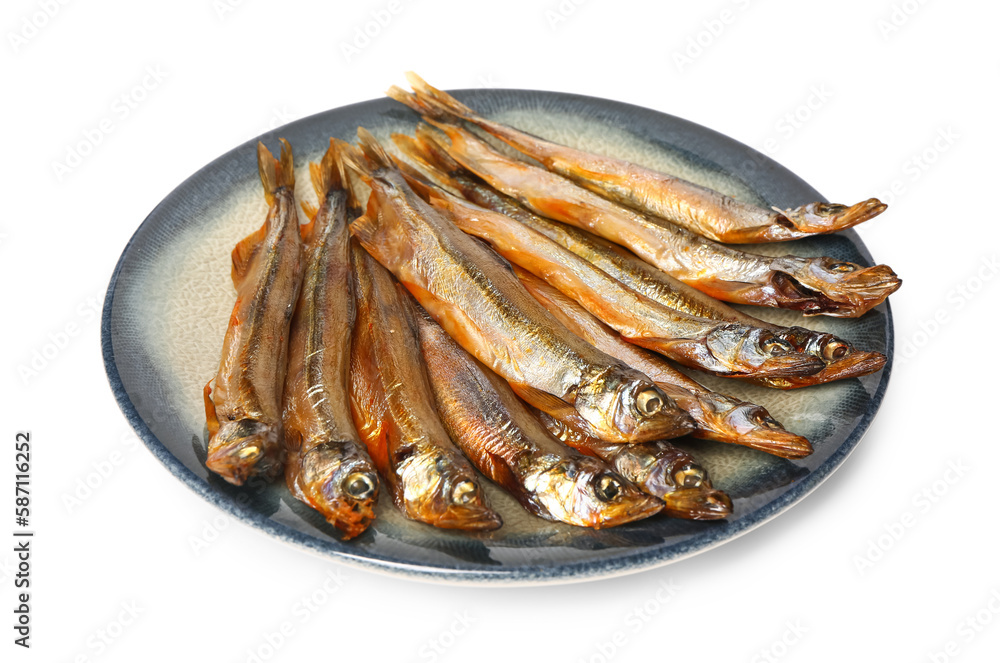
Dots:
{"x": 170, "y": 297}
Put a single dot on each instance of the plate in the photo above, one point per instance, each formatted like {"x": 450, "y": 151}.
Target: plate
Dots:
{"x": 170, "y": 297}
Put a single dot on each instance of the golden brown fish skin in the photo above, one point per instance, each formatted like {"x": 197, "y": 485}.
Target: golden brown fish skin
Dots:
{"x": 841, "y": 359}
{"x": 699, "y": 209}
{"x": 244, "y": 410}
{"x": 658, "y": 468}
{"x": 471, "y": 292}
{"x": 393, "y": 410}
{"x": 722, "y": 348}
{"x": 327, "y": 467}
{"x": 814, "y": 286}
{"x": 507, "y": 444}
{"x": 717, "y": 416}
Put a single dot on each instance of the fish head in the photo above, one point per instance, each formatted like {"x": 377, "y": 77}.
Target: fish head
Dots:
{"x": 752, "y": 426}
{"x": 742, "y": 349}
{"x": 683, "y": 484}
{"x": 582, "y": 491}
{"x": 244, "y": 448}
{"x": 828, "y": 217}
{"x": 441, "y": 490}
{"x": 853, "y": 287}
{"x": 842, "y": 360}
{"x": 340, "y": 482}
{"x": 671, "y": 474}
{"x": 626, "y": 406}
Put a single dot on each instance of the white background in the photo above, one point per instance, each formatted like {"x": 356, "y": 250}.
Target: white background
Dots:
{"x": 882, "y": 95}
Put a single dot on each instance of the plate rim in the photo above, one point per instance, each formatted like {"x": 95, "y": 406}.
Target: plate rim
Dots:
{"x": 523, "y": 575}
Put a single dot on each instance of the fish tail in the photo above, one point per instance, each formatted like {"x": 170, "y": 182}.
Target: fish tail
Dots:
{"x": 427, "y": 172}
{"x": 344, "y": 153}
{"x": 440, "y": 101}
{"x": 373, "y": 150}
{"x": 353, "y": 160}
{"x": 328, "y": 174}
{"x": 275, "y": 173}
{"x": 366, "y": 226}
{"x": 434, "y": 152}
{"x": 448, "y": 134}
{"x": 409, "y": 99}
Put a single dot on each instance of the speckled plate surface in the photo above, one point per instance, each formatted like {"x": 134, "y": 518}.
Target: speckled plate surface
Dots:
{"x": 170, "y": 297}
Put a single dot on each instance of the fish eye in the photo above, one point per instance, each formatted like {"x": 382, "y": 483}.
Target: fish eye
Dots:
{"x": 648, "y": 402}
{"x": 607, "y": 487}
{"x": 359, "y": 486}
{"x": 762, "y": 418}
{"x": 843, "y": 267}
{"x": 829, "y": 208}
{"x": 463, "y": 492}
{"x": 777, "y": 346}
{"x": 248, "y": 453}
{"x": 834, "y": 350}
{"x": 689, "y": 476}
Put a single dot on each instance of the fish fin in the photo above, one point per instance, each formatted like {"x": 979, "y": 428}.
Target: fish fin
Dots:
{"x": 311, "y": 211}
{"x": 211, "y": 418}
{"x": 407, "y": 98}
{"x": 411, "y": 149}
{"x": 328, "y": 173}
{"x": 431, "y": 96}
{"x": 449, "y": 137}
{"x": 373, "y": 150}
{"x": 344, "y": 152}
{"x": 434, "y": 153}
{"x": 364, "y": 228}
{"x": 275, "y": 173}
{"x": 543, "y": 400}
{"x": 425, "y": 155}
{"x": 422, "y": 186}
{"x": 244, "y": 252}
{"x": 354, "y": 160}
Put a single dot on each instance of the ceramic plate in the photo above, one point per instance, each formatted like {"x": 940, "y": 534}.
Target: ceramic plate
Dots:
{"x": 170, "y": 297}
